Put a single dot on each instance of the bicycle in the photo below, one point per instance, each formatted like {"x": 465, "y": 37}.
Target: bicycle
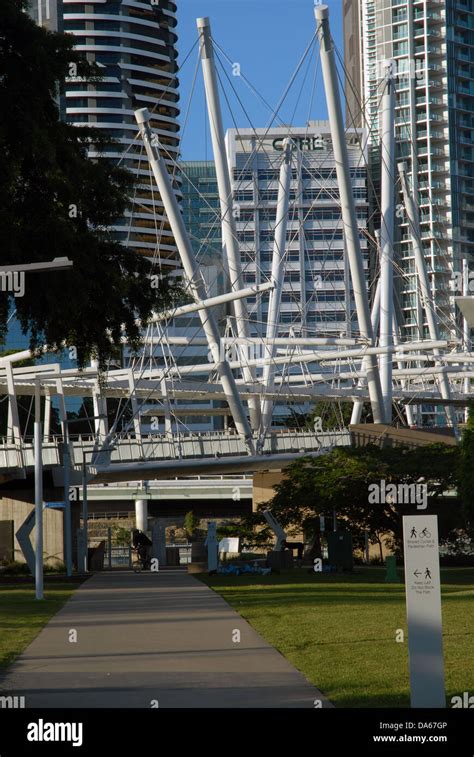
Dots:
{"x": 142, "y": 561}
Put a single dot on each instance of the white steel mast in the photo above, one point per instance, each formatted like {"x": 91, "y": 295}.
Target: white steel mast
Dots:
{"x": 279, "y": 246}
{"x": 358, "y": 405}
{"x": 349, "y": 217}
{"x": 386, "y": 238}
{"x": 229, "y": 229}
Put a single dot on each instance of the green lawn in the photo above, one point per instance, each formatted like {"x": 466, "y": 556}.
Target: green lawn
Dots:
{"x": 340, "y": 631}
{"x": 22, "y": 617}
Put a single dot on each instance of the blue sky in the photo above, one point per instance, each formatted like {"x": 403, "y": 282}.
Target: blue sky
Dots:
{"x": 268, "y": 39}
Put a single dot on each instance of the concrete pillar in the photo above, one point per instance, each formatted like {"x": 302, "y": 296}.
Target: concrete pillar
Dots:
{"x": 212, "y": 547}
{"x": 159, "y": 541}
{"x": 141, "y": 514}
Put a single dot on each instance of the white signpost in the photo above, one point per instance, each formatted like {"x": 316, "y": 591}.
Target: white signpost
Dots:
{"x": 423, "y": 597}
{"x": 229, "y": 544}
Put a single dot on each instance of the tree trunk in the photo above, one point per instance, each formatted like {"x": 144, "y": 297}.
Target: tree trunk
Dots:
{"x": 381, "y": 549}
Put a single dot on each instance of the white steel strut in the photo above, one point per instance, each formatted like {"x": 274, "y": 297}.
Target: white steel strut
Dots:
{"x": 424, "y": 283}
{"x": 220, "y": 299}
{"x": 374, "y": 317}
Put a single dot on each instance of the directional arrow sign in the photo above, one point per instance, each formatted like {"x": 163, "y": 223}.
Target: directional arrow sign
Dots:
{"x": 423, "y": 597}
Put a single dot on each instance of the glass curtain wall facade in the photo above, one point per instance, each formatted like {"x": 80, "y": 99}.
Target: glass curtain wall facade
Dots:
{"x": 317, "y": 297}
{"x": 432, "y": 45}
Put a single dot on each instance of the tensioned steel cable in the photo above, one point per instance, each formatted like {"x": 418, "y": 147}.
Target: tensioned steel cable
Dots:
{"x": 447, "y": 321}
{"x": 411, "y": 140}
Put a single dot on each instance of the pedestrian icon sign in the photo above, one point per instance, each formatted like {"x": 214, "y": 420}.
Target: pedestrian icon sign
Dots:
{"x": 423, "y": 598}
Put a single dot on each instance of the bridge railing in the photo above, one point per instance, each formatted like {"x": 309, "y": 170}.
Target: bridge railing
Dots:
{"x": 11, "y": 455}
{"x": 130, "y": 448}
{"x": 50, "y": 451}
{"x": 209, "y": 445}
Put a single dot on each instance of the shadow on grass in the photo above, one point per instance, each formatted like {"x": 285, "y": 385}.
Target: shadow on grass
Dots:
{"x": 449, "y": 576}
{"x": 319, "y": 596}
{"x": 339, "y": 630}
{"x": 23, "y": 616}
{"x": 366, "y": 701}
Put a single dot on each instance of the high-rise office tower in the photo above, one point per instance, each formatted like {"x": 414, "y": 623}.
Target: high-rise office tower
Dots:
{"x": 317, "y": 297}
{"x": 134, "y": 45}
{"x": 352, "y": 62}
{"x": 432, "y": 45}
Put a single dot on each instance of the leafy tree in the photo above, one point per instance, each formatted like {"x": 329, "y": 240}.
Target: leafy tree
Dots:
{"x": 339, "y": 481}
{"x": 333, "y": 415}
{"x": 252, "y": 531}
{"x": 56, "y": 202}
{"x": 191, "y": 525}
{"x": 465, "y": 474}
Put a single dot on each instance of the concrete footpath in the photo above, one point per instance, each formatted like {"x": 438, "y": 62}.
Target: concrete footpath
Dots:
{"x": 153, "y": 639}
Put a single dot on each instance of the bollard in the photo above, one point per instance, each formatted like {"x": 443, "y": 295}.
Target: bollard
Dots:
{"x": 391, "y": 576}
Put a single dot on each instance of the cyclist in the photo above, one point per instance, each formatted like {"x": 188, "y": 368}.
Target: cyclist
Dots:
{"x": 141, "y": 543}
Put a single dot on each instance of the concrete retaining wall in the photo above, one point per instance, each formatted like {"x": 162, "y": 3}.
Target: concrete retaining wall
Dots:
{"x": 17, "y": 509}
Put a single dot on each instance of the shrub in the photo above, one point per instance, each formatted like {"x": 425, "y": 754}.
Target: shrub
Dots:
{"x": 191, "y": 525}
{"x": 122, "y": 536}
{"x": 15, "y": 568}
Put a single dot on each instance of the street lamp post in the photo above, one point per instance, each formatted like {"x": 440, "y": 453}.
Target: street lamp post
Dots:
{"x": 85, "y": 504}
{"x": 67, "y": 506}
{"x": 58, "y": 264}
{"x": 38, "y": 456}
{"x": 67, "y": 501}
{"x": 85, "y": 513}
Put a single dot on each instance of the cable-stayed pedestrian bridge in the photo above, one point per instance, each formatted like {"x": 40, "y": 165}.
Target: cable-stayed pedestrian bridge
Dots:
{"x": 273, "y": 364}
